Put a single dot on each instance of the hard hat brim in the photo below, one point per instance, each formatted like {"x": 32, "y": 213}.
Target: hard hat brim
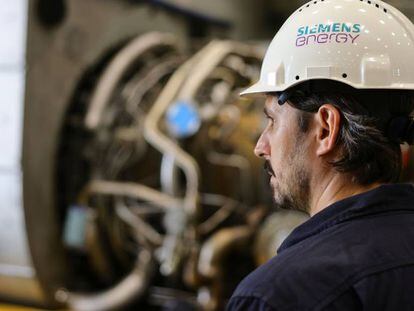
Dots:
{"x": 257, "y": 90}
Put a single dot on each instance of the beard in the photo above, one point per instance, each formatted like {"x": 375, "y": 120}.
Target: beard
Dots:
{"x": 291, "y": 185}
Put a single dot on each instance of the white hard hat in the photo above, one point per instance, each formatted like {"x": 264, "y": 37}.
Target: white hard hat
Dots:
{"x": 364, "y": 44}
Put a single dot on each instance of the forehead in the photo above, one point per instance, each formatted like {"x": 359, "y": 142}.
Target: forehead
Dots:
{"x": 272, "y": 106}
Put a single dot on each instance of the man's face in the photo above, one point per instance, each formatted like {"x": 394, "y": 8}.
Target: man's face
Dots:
{"x": 284, "y": 147}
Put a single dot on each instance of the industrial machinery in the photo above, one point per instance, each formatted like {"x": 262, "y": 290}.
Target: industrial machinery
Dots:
{"x": 140, "y": 186}
{"x": 169, "y": 185}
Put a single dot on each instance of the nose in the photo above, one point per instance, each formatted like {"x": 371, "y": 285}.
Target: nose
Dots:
{"x": 262, "y": 149}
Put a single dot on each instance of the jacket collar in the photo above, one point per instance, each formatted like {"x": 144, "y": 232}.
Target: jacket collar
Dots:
{"x": 381, "y": 200}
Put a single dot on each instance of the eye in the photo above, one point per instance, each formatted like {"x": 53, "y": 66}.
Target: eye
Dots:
{"x": 270, "y": 122}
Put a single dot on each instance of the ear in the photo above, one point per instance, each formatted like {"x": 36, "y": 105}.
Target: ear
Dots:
{"x": 328, "y": 119}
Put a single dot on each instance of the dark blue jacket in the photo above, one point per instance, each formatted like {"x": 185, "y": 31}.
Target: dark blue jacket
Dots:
{"x": 357, "y": 254}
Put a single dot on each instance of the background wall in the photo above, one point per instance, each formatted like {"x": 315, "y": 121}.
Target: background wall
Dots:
{"x": 16, "y": 271}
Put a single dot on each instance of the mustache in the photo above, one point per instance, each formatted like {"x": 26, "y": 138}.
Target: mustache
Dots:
{"x": 268, "y": 168}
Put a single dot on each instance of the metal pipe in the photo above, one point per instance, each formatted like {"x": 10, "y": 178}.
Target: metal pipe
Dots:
{"x": 149, "y": 82}
{"x": 211, "y": 263}
{"x": 131, "y": 288}
{"x": 183, "y": 85}
{"x": 164, "y": 144}
{"x": 116, "y": 69}
{"x": 169, "y": 175}
{"x": 139, "y": 225}
{"x": 228, "y": 205}
{"x": 215, "y": 249}
{"x": 133, "y": 190}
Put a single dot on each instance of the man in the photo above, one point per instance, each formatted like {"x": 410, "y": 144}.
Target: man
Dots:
{"x": 339, "y": 88}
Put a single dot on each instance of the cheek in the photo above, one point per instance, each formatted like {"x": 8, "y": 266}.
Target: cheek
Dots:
{"x": 277, "y": 144}
{"x": 279, "y": 148}
{"x": 278, "y": 164}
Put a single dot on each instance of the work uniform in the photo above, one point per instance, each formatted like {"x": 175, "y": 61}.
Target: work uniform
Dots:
{"x": 357, "y": 254}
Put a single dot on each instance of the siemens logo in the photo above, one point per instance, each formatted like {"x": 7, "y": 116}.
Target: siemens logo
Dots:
{"x": 323, "y": 28}
{"x": 328, "y": 33}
